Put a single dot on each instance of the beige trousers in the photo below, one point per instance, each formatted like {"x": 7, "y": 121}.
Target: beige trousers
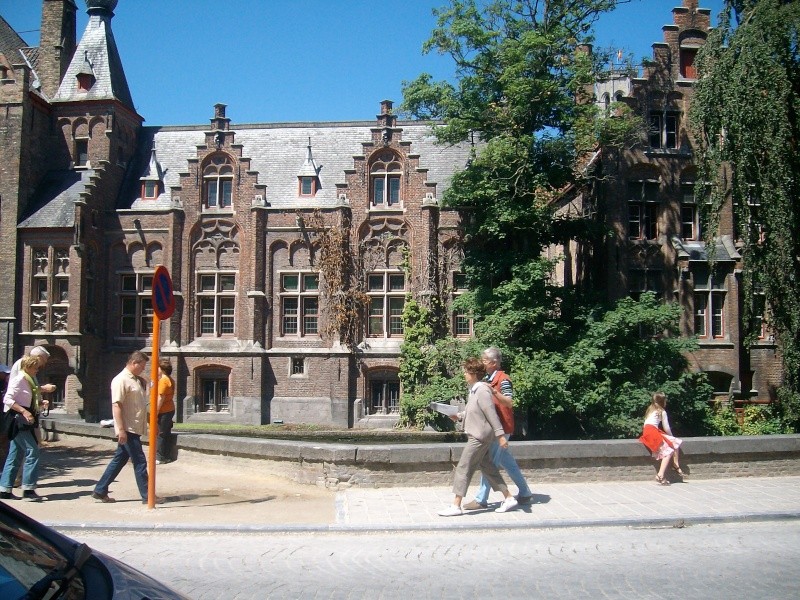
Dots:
{"x": 476, "y": 456}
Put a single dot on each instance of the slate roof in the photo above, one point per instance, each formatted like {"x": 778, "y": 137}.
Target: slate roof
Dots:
{"x": 53, "y": 203}
{"x": 278, "y": 152}
{"x": 31, "y": 56}
{"x": 99, "y": 49}
{"x": 10, "y": 41}
{"x": 725, "y": 250}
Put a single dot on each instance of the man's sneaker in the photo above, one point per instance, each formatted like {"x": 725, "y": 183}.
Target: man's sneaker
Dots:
{"x": 104, "y": 498}
{"x": 7, "y": 496}
{"x": 451, "y": 511}
{"x": 32, "y": 496}
{"x": 508, "y": 504}
{"x": 524, "y": 499}
{"x": 474, "y": 505}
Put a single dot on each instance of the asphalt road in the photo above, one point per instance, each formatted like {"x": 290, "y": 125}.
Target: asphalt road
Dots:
{"x": 735, "y": 560}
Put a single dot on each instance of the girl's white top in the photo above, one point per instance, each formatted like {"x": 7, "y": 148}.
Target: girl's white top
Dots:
{"x": 658, "y": 417}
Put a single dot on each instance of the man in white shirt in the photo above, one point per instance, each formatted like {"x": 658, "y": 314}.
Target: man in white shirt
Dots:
{"x": 129, "y": 408}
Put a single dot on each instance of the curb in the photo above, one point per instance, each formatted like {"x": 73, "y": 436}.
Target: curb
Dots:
{"x": 672, "y": 522}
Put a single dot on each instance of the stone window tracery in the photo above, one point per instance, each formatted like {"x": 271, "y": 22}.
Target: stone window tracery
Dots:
{"x": 49, "y": 291}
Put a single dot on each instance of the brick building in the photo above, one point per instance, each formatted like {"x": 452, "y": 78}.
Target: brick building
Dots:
{"x": 93, "y": 202}
{"x": 646, "y": 195}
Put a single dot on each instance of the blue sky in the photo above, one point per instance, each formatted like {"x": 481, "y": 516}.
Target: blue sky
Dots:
{"x": 286, "y": 60}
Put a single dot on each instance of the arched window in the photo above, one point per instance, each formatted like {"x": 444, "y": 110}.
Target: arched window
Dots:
{"x": 218, "y": 183}
{"x": 385, "y": 180}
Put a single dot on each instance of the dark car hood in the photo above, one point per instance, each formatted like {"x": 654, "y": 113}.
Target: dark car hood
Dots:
{"x": 132, "y": 584}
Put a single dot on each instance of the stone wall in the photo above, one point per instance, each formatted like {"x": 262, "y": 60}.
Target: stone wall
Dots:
{"x": 337, "y": 465}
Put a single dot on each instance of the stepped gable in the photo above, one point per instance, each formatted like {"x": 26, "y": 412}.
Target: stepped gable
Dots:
{"x": 276, "y": 151}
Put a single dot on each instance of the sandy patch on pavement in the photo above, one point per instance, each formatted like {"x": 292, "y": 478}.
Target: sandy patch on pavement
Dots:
{"x": 200, "y": 489}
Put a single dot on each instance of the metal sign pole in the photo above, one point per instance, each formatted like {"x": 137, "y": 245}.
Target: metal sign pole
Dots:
{"x": 163, "y": 300}
{"x": 151, "y": 463}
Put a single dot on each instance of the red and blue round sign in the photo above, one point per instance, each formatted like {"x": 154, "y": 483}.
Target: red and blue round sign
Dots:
{"x": 163, "y": 298}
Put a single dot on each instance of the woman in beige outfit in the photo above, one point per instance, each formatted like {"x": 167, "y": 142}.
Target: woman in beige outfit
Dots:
{"x": 482, "y": 426}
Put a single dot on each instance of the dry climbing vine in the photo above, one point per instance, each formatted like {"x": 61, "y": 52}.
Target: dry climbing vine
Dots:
{"x": 343, "y": 299}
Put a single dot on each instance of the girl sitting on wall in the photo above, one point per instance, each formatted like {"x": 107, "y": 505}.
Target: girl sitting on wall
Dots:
{"x": 658, "y": 439}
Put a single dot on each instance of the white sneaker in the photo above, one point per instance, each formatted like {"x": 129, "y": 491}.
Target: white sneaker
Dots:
{"x": 451, "y": 511}
{"x": 508, "y": 504}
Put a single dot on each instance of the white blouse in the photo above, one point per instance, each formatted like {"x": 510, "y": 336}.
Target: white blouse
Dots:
{"x": 19, "y": 392}
{"x": 659, "y": 417}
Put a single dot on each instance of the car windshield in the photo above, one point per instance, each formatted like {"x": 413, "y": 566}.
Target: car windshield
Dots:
{"x": 25, "y": 558}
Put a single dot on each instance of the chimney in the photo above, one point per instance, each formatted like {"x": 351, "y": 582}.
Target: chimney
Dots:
{"x": 57, "y": 42}
{"x": 386, "y": 119}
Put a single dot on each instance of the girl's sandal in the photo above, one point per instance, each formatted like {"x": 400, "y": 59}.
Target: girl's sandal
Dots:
{"x": 680, "y": 472}
{"x": 661, "y": 480}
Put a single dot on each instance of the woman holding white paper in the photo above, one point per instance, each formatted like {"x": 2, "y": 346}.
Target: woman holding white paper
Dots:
{"x": 482, "y": 426}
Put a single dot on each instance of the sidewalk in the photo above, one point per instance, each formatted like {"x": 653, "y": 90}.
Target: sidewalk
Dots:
{"x": 218, "y": 493}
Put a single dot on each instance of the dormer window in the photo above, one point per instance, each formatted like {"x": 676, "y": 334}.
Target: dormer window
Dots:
{"x": 153, "y": 179}
{"x": 308, "y": 186}
{"x": 218, "y": 183}
{"x": 85, "y": 81}
{"x": 150, "y": 189}
{"x": 308, "y": 177}
{"x": 85, "y": 75}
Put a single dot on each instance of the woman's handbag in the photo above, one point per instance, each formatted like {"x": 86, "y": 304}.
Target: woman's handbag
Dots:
{"x": 22, "y": 422}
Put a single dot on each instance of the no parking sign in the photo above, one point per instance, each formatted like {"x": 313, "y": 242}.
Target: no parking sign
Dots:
{"x": 163, "y": 298}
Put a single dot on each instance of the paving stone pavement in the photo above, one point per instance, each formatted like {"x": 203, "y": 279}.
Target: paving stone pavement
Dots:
{"x": 210, "y": 492}
{"x": 578, "y": 504}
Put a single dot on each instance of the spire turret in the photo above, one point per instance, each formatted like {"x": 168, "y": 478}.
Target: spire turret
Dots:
{"x": 97, "y": 51}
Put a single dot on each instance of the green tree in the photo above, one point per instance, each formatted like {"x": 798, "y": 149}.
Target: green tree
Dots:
{"x": 581, "y": 367}
{"x": 601, "y": 383}
{"x": 746, "y": 118}
{"x": 521, "y": 81}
